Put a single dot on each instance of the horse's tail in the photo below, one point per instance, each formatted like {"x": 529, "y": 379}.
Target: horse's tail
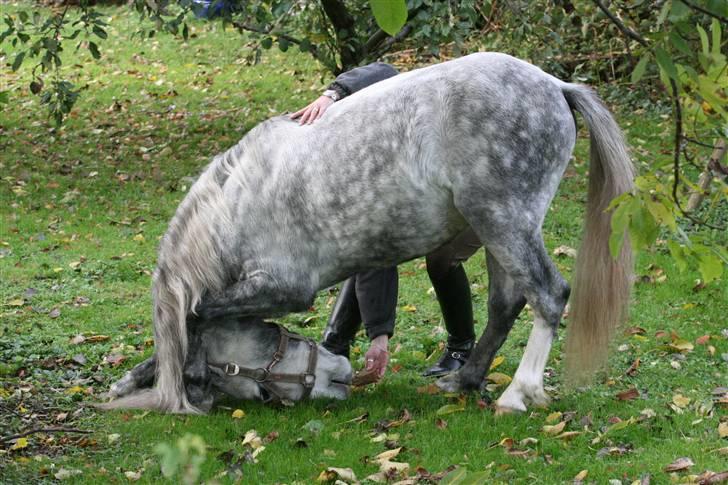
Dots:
{"x": 601, "y": 284}
{"x": 190, "y": 264}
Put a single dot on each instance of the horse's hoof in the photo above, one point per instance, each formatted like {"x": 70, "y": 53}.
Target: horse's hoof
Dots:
{"x": 122, "y": 387}
{"x": 503, "y": 411}
{"x": 449, "y": 383}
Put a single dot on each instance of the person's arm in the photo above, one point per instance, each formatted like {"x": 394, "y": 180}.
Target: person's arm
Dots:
{"x": 344, "y": 85}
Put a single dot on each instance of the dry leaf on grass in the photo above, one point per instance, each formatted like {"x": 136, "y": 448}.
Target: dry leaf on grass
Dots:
{"x": 555, "y": 429}
{"x": 629, "y": 394}
{"x": 332, "y": 473}
{"x": 679, "y": 465}
{"x": 365, "y": 377}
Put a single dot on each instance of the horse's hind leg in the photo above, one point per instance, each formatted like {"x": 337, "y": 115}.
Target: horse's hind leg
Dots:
{"x": 547, "y": 293}
{"x": 511, "y": 232}
{"x": 505, "y": 302}
{"x": 142, "y": 375}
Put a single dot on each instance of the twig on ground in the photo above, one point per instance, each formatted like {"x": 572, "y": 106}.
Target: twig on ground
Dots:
{"x": 43, "y": 430}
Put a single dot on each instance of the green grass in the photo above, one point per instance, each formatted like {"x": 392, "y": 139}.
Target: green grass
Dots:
{"x": 84, "y": 206}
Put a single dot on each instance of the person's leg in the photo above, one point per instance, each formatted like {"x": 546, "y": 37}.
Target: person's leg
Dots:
{"x": 376, "y": 292}
{"x": 446, "y": 272}
{"x": 369, "y": 296}
{"x": 344, "y": 320}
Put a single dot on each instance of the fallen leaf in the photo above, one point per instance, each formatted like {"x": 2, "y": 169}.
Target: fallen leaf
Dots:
{"x": 97, "y": 338}
{"x": 629, "y": 394}
{"x": 579, "y": 477}
{"x": 702, "y": 340}
{"x": 450, "y": 408}
{"x": 78, "y": 339}
{"x": 554, "y": 417}
{"x": 555, "y": 429}
{"x": 568, "y": 435}
{"x": 565, "y": 251}
{"x": 428, "y": 389}
{"x": 113, "y": 438}
{"x": 409, "y": 308}
{"x": 498, "y": 360}
{"x": 679, "y": 465}
{"x": 115, "y": 359}
{"x": 632, "y": 371}
{"x": 133, "y": 476}
{"x": 680, "y": 401}
{"x": 499, "y": 378}
{"x": 709, "y": 478}
{"x": 332, "y": 473}
{"x": 507, "y": 443}
{"x": 365, "y": 377}
{"x": 238, "y": 414}
{"x": 251, "y": 438}
{"x": 680, "y": 345}
{"x": 65, "y": 473}
{"x": 19, "y": 444}
{"x": 442, "y": 424}
{"x": 378, "y": 477}
{"x": 723, "y": 429}
{"x": 388, "y": 455}
{"x": 16, "y": 302}
{"x": 388, "y": 467}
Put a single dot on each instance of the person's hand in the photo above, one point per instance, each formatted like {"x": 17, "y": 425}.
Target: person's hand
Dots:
{"x": 313, "y": 111}
{"x": 377, "y": 356}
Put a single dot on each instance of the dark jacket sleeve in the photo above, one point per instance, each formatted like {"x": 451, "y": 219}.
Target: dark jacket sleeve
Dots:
{"x": 361, "y": 77}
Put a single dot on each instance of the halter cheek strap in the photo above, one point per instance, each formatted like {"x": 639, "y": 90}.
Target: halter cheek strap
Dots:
{"x": 269, "y": 380}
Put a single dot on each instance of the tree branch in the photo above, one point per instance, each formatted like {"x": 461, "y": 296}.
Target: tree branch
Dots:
{"x": 706, "y": 12}
{"x": 344, "y": 26}
{"x": 620, "y": 25}
{"x": 293, "y": 40}
{"x": 677, "y": 109}
{"x": 6, "y": 439}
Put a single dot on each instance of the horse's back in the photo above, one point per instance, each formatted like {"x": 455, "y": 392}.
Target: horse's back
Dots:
{"x": 375, "y": 180}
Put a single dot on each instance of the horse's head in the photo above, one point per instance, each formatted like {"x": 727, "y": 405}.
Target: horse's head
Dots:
{"x": 252, "y": 359}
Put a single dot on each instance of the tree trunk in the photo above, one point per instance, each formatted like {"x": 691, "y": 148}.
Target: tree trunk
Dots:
{"x": 696, "y": 198}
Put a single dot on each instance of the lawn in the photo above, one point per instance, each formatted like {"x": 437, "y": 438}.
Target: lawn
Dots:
{"x": 83, "y": 208}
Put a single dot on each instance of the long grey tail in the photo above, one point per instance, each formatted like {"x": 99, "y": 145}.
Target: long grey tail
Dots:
{"x": 190, "y": 263}
{"x": 602, "y": 284}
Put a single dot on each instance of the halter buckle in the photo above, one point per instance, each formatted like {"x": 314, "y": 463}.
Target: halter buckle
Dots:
{"x": 308, "y": 380}
{"x": 232, "y": 369}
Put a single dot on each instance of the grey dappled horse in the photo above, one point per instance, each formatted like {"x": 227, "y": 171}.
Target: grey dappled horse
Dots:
{"x": 391, "y": 173}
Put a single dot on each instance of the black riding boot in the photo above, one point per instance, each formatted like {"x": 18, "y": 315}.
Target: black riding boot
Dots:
{"x": 344, "y": 320}
{"x": 453, "y": 294}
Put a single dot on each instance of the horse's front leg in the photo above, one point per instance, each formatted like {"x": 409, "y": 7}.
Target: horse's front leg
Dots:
{"x": 142, "y": 375}
{"x": 259, "y": 294}
{"x": 505, "y": 302}
{"x": 196, "y": 373}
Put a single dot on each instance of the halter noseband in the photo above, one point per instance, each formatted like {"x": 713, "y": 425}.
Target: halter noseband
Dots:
{"x": 267, "y": 379}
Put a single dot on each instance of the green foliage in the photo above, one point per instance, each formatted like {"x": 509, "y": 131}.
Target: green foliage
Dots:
{"x": 665, "y": 52}
{"x": 391, "y": 15}
{"x": 41, "y": 36}
{"x": 182, "y": 459}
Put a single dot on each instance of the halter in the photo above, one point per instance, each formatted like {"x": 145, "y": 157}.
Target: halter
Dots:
{"x": 268, "y": 380}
